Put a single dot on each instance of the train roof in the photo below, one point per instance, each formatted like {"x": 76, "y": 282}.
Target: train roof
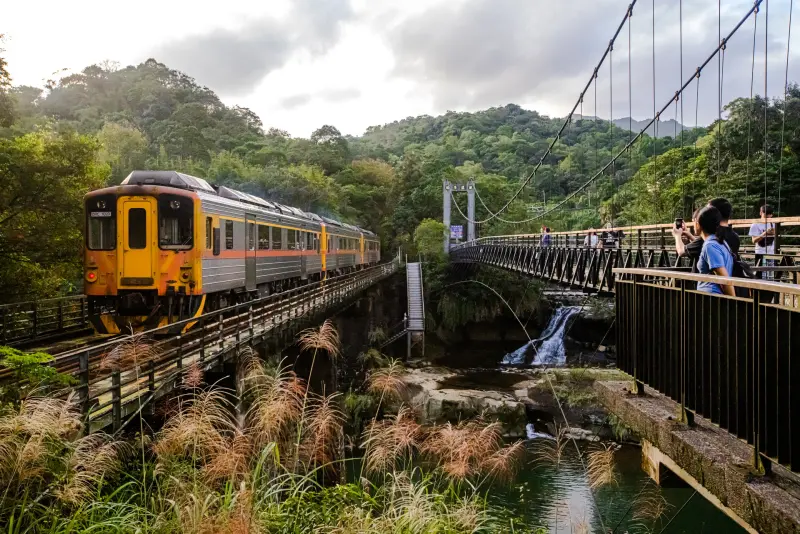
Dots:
{"x": 168, "y": 178}
{"x": 193, "y": 183}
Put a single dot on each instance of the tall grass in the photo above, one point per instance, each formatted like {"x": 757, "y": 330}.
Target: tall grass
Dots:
{"x": 266, "y": 460}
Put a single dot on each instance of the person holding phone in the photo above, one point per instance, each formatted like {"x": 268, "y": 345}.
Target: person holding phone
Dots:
{"x": 688, "y": 244}
{"x": 763, "y": 235}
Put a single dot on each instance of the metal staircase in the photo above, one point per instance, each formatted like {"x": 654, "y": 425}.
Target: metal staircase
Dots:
{"x": 416, "y": 304}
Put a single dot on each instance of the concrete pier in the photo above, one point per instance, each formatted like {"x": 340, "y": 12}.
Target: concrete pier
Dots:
{"x": 708, "y": 458}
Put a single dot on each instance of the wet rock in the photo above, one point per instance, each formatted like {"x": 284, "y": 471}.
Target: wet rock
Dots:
{"x": 439, "y": 404}
{"x": 580, "y": 434}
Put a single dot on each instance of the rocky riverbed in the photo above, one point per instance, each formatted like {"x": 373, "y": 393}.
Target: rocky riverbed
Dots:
{"x": 517, "y": 399}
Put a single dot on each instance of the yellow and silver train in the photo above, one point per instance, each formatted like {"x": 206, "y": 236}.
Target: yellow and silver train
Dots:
{"x": 165, "y": 246}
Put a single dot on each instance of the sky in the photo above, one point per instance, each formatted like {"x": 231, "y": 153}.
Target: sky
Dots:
{"x": 300, "y": 64}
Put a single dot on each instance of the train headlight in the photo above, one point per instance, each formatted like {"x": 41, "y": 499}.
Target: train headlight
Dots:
{"x": 175, "y": 204}
{"x": 185, "y": 276}
{"x": 101, "y": 204}
{"x": 91, "y": 276}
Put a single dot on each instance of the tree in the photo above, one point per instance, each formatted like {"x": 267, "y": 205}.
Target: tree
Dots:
{"x": 45, "y": 176}
{"x": 6, "y": 102}
{"x": 429, "y": 237}
{"x": 124, "y": 149}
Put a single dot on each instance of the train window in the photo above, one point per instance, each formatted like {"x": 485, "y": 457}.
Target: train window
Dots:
{"x": 251, "y": 236}
{"x": 175, "y": 222}
{"x": 102, "y": 233}
{"x": 137, "y": 228}
{"x": 101, "y": 223}
{"x": 228, "y": 235}
{"x": 209, "y": 231}
{"x": 277, "y": 234}
{"x": 263, "y": 237}
{"x": 310, "y": 241}
{"x": 330, "y": 244}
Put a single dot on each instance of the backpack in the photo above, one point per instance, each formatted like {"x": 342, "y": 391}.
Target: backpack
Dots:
{"x": 741, "y": 269}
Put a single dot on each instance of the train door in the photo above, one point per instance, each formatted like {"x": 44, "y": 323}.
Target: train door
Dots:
{"x": 250, "y": 253}
{"x": 361, "y": 260}
{"x": 137, "y": 242}
{"x": 302, "y": 244}
{"x": 323, "y": 248}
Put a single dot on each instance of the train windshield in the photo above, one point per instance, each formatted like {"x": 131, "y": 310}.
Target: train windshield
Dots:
{"x": 175, "y": 222}
{"x": 101, "y": 227}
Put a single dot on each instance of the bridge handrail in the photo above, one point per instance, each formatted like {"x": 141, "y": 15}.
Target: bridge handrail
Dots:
{"x": 776, "y": 287}
{"x": 648, "y": 230}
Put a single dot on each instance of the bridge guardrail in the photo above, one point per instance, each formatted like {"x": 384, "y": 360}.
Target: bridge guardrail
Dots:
{"x": 117, "y": 377}
{"x": 728, "y": 359}
{"x": 655, "y": 236}
{"x": 24, "y": 321}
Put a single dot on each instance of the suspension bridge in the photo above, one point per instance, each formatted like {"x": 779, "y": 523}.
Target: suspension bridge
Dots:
{"x": 713, "y": 381}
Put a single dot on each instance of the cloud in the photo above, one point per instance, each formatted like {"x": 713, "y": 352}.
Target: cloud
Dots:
{"x": 330, "y": 96}
{"x": 295, "y": 101}
{"x": 340, "y": 95}
{"x": 474, "y": 54}
{"x": 234, "y": 61}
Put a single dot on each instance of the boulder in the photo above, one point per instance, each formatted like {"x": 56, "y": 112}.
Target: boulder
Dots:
{"x": 437, "y": 404}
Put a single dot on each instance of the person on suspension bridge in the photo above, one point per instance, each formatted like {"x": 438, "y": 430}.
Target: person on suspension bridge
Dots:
{"x": 763, "y": 234}
{"x": 546, "y": 239}
{"x": 611, "y": 238}
{"x": 716, "y": 257}
{"x": 591, "y": 239}
{"x": 691, "y": 245}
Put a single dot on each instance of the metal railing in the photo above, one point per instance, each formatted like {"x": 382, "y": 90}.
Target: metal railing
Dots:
{"x": 587, "y": 268}
{"x": 25, "y": 321}
{"x": 117, "y": 378}
{"x": 728, "y": 359}
{"x": 654, "y": 237}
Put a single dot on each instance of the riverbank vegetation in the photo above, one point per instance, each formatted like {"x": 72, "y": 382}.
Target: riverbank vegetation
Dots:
{"x": 272, "y": 460}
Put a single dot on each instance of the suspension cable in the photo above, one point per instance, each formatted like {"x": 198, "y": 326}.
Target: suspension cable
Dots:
{"x": 630, "y": 102}
{"x": 719, "y": 88}
{"x": 549, "y": 150}
{"x": 655, "y": 126}
{"x": 785, "y": 104}
{"x": 766, "y": 94}
{"x": 680, "y": 161}
{"x": 751, "y": 110}
{"x": 753, "y": 9}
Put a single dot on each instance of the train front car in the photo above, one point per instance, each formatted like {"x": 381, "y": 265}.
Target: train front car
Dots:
{"x": 142, "y": 268}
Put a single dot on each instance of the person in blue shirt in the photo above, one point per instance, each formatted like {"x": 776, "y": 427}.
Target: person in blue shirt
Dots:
{"x": 716, "y": 257}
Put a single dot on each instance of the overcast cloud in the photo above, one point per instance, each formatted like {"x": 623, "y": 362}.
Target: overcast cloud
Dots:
{"x": 354, "y": 63}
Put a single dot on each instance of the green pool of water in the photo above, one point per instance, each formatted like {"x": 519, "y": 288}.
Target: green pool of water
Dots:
{"x": 558, "y": 499}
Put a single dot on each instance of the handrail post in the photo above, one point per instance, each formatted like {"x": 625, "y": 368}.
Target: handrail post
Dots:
{"x": 83, "y": 311}
{"x": 202, "y": 339}
{"x": 250, "y": 320}
{"x": 684, "y": 416}
{"x": 83, "y": 390}
{"x": 777, "y": 241}
{"x": 116, "y": 400}
{"x": 60, "y": 314}
{"x": 759, "y": 466}
{"x": 151, "y": 378}
{"x": 35, "y": 318}
{"x": 180, "y": 349}
{"x": 638, "y": 385}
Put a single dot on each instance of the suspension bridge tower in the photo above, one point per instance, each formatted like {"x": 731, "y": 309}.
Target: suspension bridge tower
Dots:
{"x": 448, "y": 190}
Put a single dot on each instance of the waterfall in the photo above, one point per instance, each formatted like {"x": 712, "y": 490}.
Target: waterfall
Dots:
{"x": 548, "y": 349}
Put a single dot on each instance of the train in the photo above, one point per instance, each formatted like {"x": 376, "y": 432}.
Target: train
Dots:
{"x": 164, "y": 246}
